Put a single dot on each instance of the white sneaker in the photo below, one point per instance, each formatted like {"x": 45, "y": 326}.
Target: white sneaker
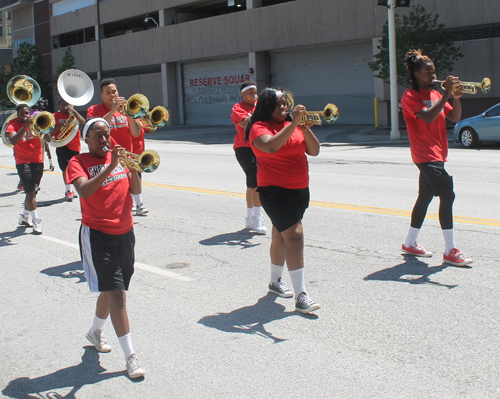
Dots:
{"x": 248, "y": 223}
{"x": 37, "y": 226}
{"x": 24, "y": 220}
{"x": 134, "y": 368}
{"x": 141, "y": 209}
{"x": 258, "y": 224}
{"x": 96, "y": 338}
{"x": 134, "y": 209}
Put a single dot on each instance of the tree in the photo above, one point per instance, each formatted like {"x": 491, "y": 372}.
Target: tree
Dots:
{"x": 418, "y": 30}
{"x": 68, "y": 62}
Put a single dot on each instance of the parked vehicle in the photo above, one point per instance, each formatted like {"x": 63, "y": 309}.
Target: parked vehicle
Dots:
{"x": 483, "y": 128}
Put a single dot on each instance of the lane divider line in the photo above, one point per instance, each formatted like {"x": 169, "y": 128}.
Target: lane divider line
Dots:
{"x": 138, "y": 265}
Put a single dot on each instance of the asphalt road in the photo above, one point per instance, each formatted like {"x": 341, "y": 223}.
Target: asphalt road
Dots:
{"x": 203, "y": 324}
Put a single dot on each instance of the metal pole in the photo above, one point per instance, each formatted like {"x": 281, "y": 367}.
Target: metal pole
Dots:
{"x": 99, "y": 39}
{"x": 393, "y": 71}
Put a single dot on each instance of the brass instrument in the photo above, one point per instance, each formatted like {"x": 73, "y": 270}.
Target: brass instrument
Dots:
{"x": 137, "y": 106}
{"x": 148, "y": 161}
{"x": 330, "y": 113}
{"x": 158, "y": 117}
{"x": 5, "y": 139}
{"x": 43, "y": 123}
{"x": 22, "y": 89}
{"x": 468, "y": 87}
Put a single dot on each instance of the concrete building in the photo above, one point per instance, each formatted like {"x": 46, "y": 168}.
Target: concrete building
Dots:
{"x": 191, "y": 56}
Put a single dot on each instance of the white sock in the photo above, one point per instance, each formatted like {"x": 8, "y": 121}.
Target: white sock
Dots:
{"x": 98, "y": 323}
{"x": 126, "y": 344}
{"x": 297, "y": 277}
{"x": 26, "y": 212}
{"x": 411, "y": 239}
{"x": 72, "y": 188}
{"x": 249, "y": 212}
{"x": 449, "y": 241}
{"x": 257, "y": 210}
{"x": 137, "y": 198}
{"x": 68, "y": 187}
{"x": 34, "y": 214}
{"x": 276, "y": 272}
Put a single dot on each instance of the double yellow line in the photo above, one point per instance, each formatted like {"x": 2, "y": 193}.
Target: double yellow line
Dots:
{"x": 323, "y": 204}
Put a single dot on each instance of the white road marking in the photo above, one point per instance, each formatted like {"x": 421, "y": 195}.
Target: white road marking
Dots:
{"x": 138, "y": 265}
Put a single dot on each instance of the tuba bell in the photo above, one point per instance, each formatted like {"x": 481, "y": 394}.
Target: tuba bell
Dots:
{"x": 43, "y": 123}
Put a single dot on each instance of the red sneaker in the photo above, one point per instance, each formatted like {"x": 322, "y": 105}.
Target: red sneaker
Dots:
{"x": 456, "y": 258}
{"x": 417, "y": 251}
{"x": 20, "y": 186}
{"x": 69, "y": 195}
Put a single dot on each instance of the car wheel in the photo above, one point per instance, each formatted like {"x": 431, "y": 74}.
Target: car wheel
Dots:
{"x": 468, "y": 137}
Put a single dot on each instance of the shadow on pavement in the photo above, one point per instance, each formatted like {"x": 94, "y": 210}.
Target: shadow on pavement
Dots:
{"x": 250, "y": 319}
{"x": 411, "y": 271}
{"x": 69, "y": 270}
{"x": 89, "y": 371}
{"x": 238, "y": 238}
{"x": 6, "y": 237}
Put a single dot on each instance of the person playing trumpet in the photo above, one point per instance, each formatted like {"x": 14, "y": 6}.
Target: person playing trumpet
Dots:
{"x": 425, "y": 111}
{"x": 65, "y": 153}
{"x": 28, "y": 153}
{"x": 107, "y": 237}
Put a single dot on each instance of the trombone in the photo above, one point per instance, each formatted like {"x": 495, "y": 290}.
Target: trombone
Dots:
{"x": 148, "y": 161}
{"x": 469, "y": 87}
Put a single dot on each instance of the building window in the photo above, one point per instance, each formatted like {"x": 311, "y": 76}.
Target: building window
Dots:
{"x": 266, "y": 3}
{"x": 1, "y": 31}
{"x": 202, "y": 10}
{"x": 131, "y": 25}
{"x": 65, "y": 6}
{"x": 8, "y": 16}
{"x": 7, "y": 67}
{"x": 72, "y": 38}
{"x": 9, "y": 29}
{"x": 18, "y": 42}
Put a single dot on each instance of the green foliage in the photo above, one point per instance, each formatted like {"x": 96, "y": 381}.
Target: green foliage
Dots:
{"x": 418, "y": 30}
{"x": 68, "y": 62}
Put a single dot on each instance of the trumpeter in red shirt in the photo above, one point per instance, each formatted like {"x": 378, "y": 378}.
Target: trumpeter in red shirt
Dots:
{"x": 425, "y": 111}
{"x": 281, "y": 145}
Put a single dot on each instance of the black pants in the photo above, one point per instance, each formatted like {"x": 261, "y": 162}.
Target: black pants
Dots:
{"x": 434, "y": 181}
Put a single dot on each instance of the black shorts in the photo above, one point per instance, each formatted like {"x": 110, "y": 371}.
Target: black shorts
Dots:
{"x": 285, "y": 207}
{"x": 64, "y": 154}
{"x": 248, "y": 163}
{"x": 30, "y": 175}
{"x": 437, "y": 180}
{"x": 108, "y": 259}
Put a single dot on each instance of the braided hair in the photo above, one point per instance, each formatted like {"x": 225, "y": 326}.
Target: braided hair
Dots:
{"x": 266, "y": 104}
{"x": 414, "y": 62}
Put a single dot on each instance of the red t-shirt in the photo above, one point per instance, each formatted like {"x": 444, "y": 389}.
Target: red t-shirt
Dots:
{"x": 29, "y": 149}
{"x": 119, "y": 125}
{"x": 428, "y": 141}
{"x": 287, "y": 167}
{"x": 241, "y": 111}
{"x": 75, "y": 144}
{"x": 138, "y": 143}
{"x": 109, "y": 208}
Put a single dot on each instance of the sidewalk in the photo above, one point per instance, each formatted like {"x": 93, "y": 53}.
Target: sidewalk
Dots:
{"x": 328, "y": 135}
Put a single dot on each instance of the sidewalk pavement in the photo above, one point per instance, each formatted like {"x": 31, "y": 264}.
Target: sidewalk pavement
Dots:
{"x": 328, "y": 135}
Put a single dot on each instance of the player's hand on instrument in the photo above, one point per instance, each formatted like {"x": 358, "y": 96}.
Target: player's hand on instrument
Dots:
{"x": 116, "y": 154}
{"x": 298, "y": 112}
{"x": 450, "y": 83}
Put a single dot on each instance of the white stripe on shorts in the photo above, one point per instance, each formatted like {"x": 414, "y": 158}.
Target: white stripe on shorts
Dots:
{"x": 88, "y": 264}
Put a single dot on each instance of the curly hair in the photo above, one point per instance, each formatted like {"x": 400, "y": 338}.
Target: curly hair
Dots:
{"x": 266, "y": 104}
{"x": 414, "y": 62}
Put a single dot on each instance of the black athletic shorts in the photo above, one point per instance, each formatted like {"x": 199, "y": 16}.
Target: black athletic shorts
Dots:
{"x": 248, "y": 163}
{"x": 64, "y": 154}
{"x": 108, "y": 259}
{"x": 30, "y": 175}
{"x": 432, "y": 174}
{"x": 285, "y": 207}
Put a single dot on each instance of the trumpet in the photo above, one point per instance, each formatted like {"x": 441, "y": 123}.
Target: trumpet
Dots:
{"x": 468, "y": 87}
{"x": 330, "y": 112}
{"x": 148, "y": 161}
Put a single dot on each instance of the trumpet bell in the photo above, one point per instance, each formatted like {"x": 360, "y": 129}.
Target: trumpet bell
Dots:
{"x": 149, "y": 161}
{"x": 75, "y": 87}
{"x": 159, "y": 116}
{"x": 22, "y": 89}
{"x": 5, "y": 139}
{"x": 137, "y": 106}
{"x": 331, "y": 113}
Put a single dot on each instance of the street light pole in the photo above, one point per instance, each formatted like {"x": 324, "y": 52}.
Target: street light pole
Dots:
{"x": 395, "y": 135}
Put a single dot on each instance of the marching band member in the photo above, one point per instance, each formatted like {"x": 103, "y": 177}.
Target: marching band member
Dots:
{"x": 107, "y": 237}
{"x": 138, "y": 147}
{"x": 280, "y": 145}
{"x": 245, "y": 156}
{"x": 122, "y": 127}
{"x": 65, "y": 153}
{"x": 28, "y": 153}
{"x": 425, "y": 111}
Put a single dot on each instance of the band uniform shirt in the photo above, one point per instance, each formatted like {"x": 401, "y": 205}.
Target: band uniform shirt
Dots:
{"x": 29, "y": 149}
{"x": 138, "y": 145}
{"x": 287, "y": 167}
{"x": 241, "y": 110}
{"x": 119, "y": 125}
{"x": 75, "y": 144}
{"x": 109, "y": 208}
{"x": 428, "y": 141}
